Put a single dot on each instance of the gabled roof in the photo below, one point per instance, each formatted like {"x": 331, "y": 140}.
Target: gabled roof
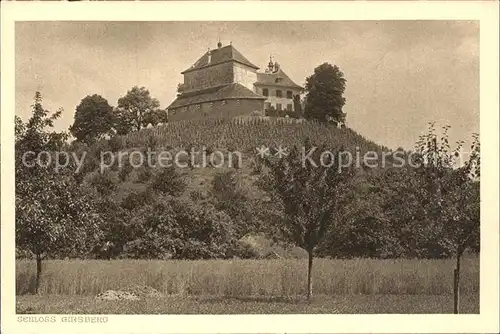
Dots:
{"x": 218, "y": 56}
{"x": 278, "y": 78}
{"x": 225, "y": 92}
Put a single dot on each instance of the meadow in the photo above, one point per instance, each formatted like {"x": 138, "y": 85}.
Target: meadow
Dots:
{"x": 251, "y": 286}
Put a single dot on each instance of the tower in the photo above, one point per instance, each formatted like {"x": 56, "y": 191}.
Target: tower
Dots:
{"x": 270, "y": 65}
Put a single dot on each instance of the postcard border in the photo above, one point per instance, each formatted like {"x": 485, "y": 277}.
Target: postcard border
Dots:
{"x": 485, "y": 12}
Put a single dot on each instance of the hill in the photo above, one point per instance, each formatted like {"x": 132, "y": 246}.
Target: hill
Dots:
{"x": 128, "y": 183}
{"x": 224, "y": 136}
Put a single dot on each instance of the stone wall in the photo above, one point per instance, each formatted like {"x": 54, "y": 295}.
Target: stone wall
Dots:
{"x": 217, "y": 109}
{"x": 211, "y": 76}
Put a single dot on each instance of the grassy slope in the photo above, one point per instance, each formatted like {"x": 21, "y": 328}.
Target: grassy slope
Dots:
{"x": 246, "y": 135}
{"x": 227, "y": 135}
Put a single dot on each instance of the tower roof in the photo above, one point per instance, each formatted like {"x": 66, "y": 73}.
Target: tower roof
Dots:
{"x": 278, "y": 78}
{"x": 220, "y": 55}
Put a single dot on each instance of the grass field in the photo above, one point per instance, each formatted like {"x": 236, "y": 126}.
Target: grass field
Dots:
{"x": 250, "y": 286}
{"x": 342, "y": 304}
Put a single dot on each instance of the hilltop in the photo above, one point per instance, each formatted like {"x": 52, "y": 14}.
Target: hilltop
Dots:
{"x": 224, "y": 136}
{"x": 245, "y": 134}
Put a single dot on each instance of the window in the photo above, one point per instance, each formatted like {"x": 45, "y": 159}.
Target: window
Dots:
{"x": 237, "y": 101}
{"x": 278, "y": 93}
{"x": 289, "y": 94}
{"x": 265, "y": 92}
{"x": 223, "y": 103}
{"x": 278, "y": 106}
{"x": 289, "y": 107}
{"x": 186, "y": 108}
{"x": 198, "y": 106}
{"x": 211, "y": 104}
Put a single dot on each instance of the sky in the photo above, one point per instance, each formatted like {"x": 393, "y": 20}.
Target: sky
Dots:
{"x": 400, "y": 74}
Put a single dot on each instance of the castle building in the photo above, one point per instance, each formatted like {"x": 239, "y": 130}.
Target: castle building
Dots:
{"x": 223, "y": 83}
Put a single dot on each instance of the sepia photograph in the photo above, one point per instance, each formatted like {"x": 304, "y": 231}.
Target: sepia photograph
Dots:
{"x": 245, "y": 167}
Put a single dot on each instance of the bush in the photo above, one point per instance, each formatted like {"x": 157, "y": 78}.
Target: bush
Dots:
{"x": 180, "y": 229}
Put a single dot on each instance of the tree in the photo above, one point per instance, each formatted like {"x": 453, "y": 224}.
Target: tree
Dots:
{"x": 136, "y": 109}
{"x": 52, "y": 215}
{"x": 93, "y": 119}
{"x": 115, "y": 229}
{"x": 324, "y": 94}
{"x": 437, "y": 203}
{"x": 307, "y": 198}
{"x": 297, "y": 106}
{"x": 229, "y": 196}
{"x": 155, "y": 117}
{"x": 365, "y": 230}
{"x": 180, "y": 229}
{"x": 452, "y": 192}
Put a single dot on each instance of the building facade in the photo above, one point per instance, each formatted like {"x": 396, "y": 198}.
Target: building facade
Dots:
{"x": 223, "y": 83}
{"x": 278, "y": 89}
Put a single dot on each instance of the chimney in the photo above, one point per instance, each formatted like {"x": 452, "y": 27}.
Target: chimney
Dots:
{"x": 219, "y": 44}
{"x": 209, "y": 56}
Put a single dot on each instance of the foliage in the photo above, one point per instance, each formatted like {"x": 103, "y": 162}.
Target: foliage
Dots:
{"x": 229, "y": 196}
{"x": 104, "y": 183}
{"x": 168, "y": 181}
{"x": 33, "y": 135}
{"x": 366, "y": 231}
{"x": 180, "y": 229}
{"x": 440, "y": 200}
{"x": 324, "y": 98}
{"x": 452, "y": 190}
{"x": 53, "y": 215}
{"x": 309, "y": 197}
{"x": 297, "y": 106}
{"x": 115, "y": 229}
{"x": 437, "y": 203}
{"x": 93, "y": 119}
{"x": 136, "y": 110}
